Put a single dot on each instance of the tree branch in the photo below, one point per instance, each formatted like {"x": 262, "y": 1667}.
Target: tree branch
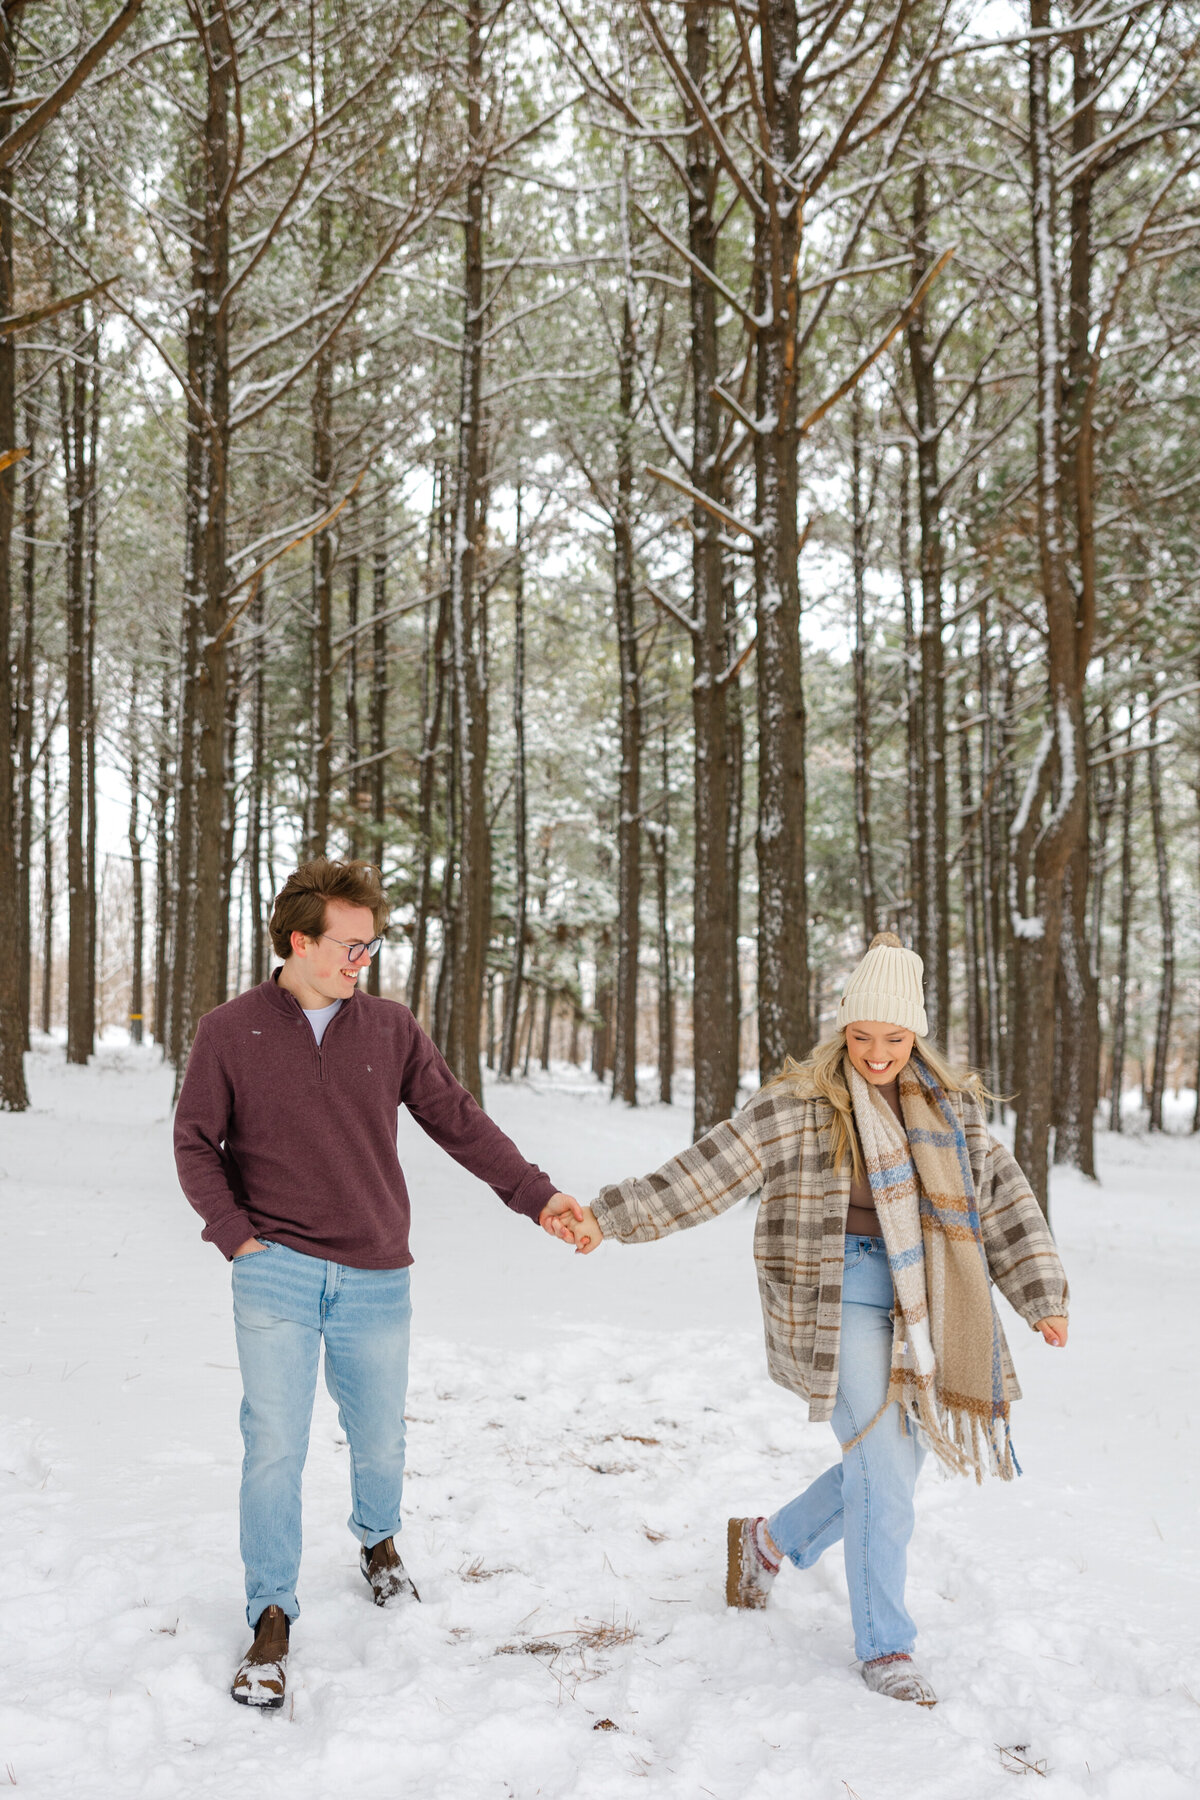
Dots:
{"x": 54, "y": 103}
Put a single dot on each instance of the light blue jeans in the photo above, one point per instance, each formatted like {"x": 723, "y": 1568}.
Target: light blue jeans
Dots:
{"x": 283, "y": 1305}
{"x": 866, "y": 1499}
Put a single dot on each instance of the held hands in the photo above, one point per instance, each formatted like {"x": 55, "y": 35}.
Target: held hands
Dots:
{"x": 563, "y": 1217}
{"x": 1054, "y": 1330}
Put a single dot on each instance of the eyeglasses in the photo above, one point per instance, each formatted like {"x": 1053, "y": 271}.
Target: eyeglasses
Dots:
{"x": 355, "y": 952}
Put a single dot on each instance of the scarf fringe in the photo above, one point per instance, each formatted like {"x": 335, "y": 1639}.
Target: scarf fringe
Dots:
{"x": 961, "y": 1438}
{"x": 965, "y": 1438}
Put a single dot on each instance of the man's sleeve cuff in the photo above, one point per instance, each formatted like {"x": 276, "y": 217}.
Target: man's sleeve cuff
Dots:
{"x": 230, "y": 1234}
{"x": 531, "y": 1197}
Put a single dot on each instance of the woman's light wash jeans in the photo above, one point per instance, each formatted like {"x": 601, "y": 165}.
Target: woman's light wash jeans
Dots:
{"x": 283, "y": 1305}
{"x": 867, "y": 1498}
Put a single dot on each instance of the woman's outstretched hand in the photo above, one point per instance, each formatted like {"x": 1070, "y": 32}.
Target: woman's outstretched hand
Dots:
{"x": 587, "y": 1233}
{"x": 1053, "y": 1330}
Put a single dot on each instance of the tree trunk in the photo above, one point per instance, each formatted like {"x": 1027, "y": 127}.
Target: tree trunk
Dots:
{"x": 714, "y": 1017}
{"x": 1043, "y": 847}
{"x": 629, "y": 797}
{"x": 784, "y": 1025}
{"x": 735, "y": 788}
{"x": 23, "y": 746}
{"x": 530, "y": 1021}
{"x": 547, "y": 1025}
{"x": 1125, "y": 926}
{"x": 991, "y": 873}
{"x": 136, "y": 993}
{"x": 200, "y": 810}
{"x": 969, "y": 855}
{"x": 862, "y": 747}
{"x": 179, "y": 934}
{"x": 379, "y": 709}
{"x": 1166, "y": 990}
{"x": 1077, "y": 1026}
{"x": 576, "y": 1015}
{"x": 162, "y": 860}
{"x": 516, "y": 971}
{"x": 91, "y": 698}
{"x": 602, "y": 1030}
{"x": 666, "y": 999}
{"x": 72, "y": 394}
{"x": 321, "y": 713}
{"x": 912, "y": 713}
{"x": 1104, "y": 795}
{"x": 933, "y": 916}
{"x": 434, "y": 681}
{"x": 13, "y": 1095}
{"x": 228, "y": 826}
{"x": 1078, "y": 997}
{"x": 1196, "y": 1107}
{"x": 254, "y": 788}
{"x": 472, "y": 915}
{"x": 353, "y": 734}
{"x": 47, "y": 880}
{"x": 433, "y": 701}
{"x": 446, "y": 901}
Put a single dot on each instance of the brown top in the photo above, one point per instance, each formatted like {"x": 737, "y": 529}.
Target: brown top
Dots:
{"x": 861, "y": 1218}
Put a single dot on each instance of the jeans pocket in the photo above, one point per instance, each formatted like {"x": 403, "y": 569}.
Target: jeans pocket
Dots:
{"x": 250, "y": 1255}
{"x": 856, "y": 1253}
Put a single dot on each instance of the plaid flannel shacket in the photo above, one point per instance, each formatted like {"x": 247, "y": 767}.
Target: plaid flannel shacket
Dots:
{"x": 779, "y": 1145}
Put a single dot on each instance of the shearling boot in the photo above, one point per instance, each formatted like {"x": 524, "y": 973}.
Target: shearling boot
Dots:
{"x": 386, "y": 1574}
{"x": 262, "y": 1677}
{"x": 751, "y": 1567}
{"x": 898, "y": 1678}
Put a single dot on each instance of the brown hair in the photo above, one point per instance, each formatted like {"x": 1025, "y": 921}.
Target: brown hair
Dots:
{"x": 301, "y": 901}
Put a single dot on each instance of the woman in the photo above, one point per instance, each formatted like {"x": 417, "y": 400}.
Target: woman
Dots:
{"x": 887, "y": 1210}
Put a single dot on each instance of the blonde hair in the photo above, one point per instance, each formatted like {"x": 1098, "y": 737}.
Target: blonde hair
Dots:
{"x": 824, "y": 1070}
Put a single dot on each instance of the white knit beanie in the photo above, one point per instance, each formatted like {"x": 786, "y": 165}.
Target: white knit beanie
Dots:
{"x": 886, "y": 987}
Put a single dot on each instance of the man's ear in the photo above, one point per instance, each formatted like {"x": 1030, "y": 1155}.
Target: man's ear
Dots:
{"x": 298, "y": 941}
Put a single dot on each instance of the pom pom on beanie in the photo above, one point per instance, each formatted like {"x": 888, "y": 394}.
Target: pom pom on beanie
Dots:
{"x": 886, "y": 987}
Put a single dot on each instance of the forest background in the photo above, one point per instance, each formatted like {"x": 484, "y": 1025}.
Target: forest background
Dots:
{"x": 680, "y": 486}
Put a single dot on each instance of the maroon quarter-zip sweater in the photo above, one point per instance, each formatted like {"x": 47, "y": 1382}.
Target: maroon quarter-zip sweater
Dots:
{"x": 278, "y": 1137}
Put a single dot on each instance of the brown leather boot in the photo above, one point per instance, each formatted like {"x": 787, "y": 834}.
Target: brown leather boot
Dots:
{"x": 262, "y": 1677}
{"x": 386, "y": 1574}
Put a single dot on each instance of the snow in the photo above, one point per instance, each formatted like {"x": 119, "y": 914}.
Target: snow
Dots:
{"x": 580, "y": 1430}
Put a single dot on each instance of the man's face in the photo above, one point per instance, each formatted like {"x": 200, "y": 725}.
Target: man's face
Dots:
{"x": 323, "y": 964}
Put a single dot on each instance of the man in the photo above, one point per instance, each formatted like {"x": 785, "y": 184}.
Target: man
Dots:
{"x": 285, "y": 1143}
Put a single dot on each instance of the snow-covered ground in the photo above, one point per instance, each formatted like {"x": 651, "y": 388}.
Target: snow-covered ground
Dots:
{"x": 580, "y": 1430}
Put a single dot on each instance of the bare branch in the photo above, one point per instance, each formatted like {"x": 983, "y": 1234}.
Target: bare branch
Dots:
{"x": 704, "y": 500}
{"x": 54, "y": 103}
{"x": 897, "y": 326}
{"x": 23, "y": 321}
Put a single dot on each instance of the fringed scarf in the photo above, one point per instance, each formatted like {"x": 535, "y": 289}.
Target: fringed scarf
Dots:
{"x": 947, "y": 1354}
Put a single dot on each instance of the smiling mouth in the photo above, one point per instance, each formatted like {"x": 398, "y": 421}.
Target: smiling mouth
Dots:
{"x": 879, "y": 1067}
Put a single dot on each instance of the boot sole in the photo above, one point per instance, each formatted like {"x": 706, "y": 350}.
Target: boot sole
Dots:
{"x": 733, "y": 1563}
{"x": 270, "y": 1705}
{"x": 407, "y": 1592}
{"x": 734, "y": 1572}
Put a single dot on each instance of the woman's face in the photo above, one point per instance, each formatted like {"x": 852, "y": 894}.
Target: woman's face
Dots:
{"x": 878, "y": 1052}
